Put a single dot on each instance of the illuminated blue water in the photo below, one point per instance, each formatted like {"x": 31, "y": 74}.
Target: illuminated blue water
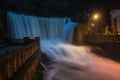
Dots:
{"x": 20, "y": 26}
{"x": 67, "y": 32}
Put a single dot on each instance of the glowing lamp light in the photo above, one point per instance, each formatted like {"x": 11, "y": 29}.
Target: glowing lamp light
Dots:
{"x": 95, "y": 16}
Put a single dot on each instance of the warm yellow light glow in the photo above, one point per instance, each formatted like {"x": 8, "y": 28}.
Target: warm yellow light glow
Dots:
{"x": 92, "y": 24}
{"x": 95, "y": 16}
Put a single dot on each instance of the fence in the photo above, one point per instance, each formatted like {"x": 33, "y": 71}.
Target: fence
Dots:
{"x": 103, "y": 38}
{"x": 22, "y": 63}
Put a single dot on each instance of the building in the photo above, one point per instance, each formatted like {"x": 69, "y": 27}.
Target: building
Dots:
{"x": 115, "y": 21}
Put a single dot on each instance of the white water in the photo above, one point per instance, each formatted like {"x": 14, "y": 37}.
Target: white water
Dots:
{"x": 69, "y": 62}
{"x": 78, "y": 63}
{"x": 20, "y": 25}
{"x": 67, "y": 32}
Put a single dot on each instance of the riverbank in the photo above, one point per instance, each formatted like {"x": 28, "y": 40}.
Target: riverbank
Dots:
{"x": 108, "y": 51}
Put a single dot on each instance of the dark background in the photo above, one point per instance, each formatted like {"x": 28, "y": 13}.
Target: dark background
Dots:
{"x": 58, "y": 7}
{"x": 79, "y": 9}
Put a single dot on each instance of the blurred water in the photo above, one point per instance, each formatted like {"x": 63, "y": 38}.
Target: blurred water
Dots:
{"x": 20, "y": 25}
{"x": 77, "y": 63}
{"x": 67, "y": 32}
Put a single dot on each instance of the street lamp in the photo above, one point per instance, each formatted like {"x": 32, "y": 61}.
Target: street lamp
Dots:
{"x": 96, "y": 16}
{"x": 91, "y": 24}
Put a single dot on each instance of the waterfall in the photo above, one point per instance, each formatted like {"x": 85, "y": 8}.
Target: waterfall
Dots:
{"x": 69, "y": 62}
{"x": 46, "y": 28}
{"x": 67, "y": 32}
{"x": 20, "y": 26}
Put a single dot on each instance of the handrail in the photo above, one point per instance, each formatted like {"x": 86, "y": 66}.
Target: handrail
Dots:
{"x": 103, "y": 38}
{"x": 12, "y": 62}
{"x": 26, "y": 40}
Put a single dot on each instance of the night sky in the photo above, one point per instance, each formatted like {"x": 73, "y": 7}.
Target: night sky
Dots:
{"x": 61, "y": 8}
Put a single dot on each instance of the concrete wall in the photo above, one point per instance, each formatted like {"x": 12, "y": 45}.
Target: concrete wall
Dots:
{"x": 79, "y": 34}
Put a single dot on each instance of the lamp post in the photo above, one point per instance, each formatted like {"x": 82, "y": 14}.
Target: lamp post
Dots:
{"x": 91, "y": 25}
